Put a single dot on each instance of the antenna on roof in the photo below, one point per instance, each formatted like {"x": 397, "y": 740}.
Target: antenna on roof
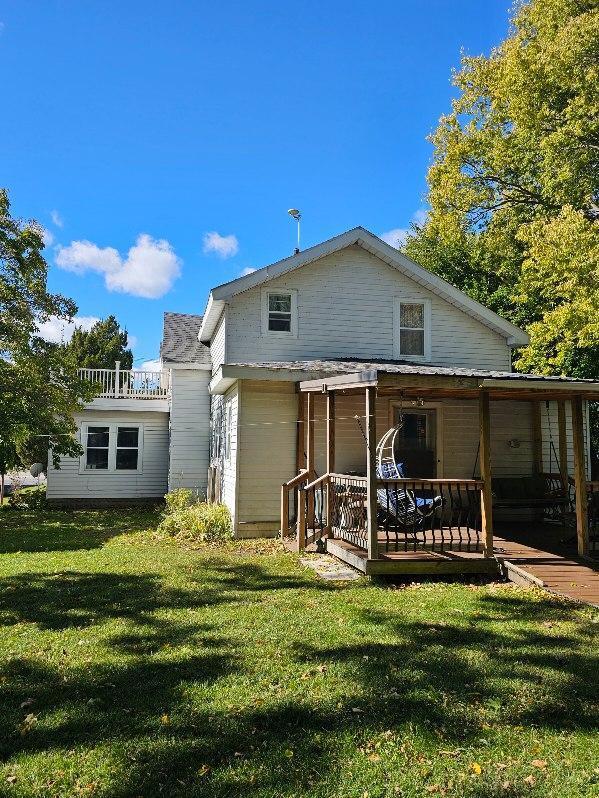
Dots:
{"x": 295, "y": 214}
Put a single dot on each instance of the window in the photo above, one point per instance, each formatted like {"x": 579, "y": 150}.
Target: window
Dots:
{"x": 127, "y": 448}
{"x": 112, "y": 447}
{"x": 96, "y": 448}
{"x": 412, "y": 329}
{"x": 279, "y": 313}
{"x": 228, "y": 426}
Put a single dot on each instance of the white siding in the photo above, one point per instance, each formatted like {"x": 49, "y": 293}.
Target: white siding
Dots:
{"x": 189, "y": 429}
{"x": 229, "y": 480}
{"x": 218, "y": 344}
{"x": 267, "y": 452}
{"x": 550, "y": 429}
{"x": 267, "y": 443}
{"x": 345, "y": 309}
{"x": 151, "y": 482}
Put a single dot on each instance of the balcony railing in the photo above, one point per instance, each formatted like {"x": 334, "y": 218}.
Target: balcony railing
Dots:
{"x": 128, "y": 383}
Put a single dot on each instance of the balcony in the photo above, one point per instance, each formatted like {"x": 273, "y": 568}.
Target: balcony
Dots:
{"x": 120, "y": 383}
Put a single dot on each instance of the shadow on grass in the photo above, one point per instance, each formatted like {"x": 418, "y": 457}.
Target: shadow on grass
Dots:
{"x": 68, "y": 530}
{"x": 416, "y": 674}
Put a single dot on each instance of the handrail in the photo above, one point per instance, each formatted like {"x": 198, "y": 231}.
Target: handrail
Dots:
{"x": 296, "y": 479}
{"x": 470, "y": 483}
{"x": 324, "y": 478}
{"x": 128, "y": 383}
{"x": 286, "y": 488}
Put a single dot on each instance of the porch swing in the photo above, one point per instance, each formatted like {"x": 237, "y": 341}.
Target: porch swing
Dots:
{"x": 544, "y": 492}
{"x": 401, "y": 503}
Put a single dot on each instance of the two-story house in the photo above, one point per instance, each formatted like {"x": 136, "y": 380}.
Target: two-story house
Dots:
{"x": 276, "y": 378}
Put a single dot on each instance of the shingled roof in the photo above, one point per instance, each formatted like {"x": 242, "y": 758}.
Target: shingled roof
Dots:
{"x": 180, "y": 342}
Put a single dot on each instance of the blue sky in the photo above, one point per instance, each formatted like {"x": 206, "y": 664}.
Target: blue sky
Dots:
{"x": 142, "y": 127}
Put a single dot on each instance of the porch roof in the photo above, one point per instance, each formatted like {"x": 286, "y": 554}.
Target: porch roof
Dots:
{"x": 393, "y": 376}
{"x": 413, "y": 378}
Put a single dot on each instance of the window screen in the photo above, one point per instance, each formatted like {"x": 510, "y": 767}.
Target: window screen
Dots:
{"x": 411, "y": 328}
{"x": 96, "y": 448}
{"x": 279, "y": 312}
{"x": 127, "y": 448}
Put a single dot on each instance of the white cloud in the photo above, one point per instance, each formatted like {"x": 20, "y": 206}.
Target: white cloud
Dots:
{"x": 223, "y": 246}
{"x": 395, "y": 237}
{"x": 247, "y": 270}
{"x": 47, "y": 237}
{"x": 149, "y": 270}
{"x": 56, "y": 219}
{"x": 420, "y": 217}
{"x": 149, "y": 365}
{"x": 59, "y": 331}
{"x": 131, "y": 341}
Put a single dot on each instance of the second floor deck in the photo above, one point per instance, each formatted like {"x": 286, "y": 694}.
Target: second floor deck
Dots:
{"x": 120, "y": 383}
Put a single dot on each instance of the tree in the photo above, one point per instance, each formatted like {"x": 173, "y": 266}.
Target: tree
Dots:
{"x": 39, "y": 386}
{"x": 101, "y": 346}
{"x": 514, "y": 184}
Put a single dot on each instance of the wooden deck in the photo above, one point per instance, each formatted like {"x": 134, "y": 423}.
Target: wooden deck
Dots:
{"x": 535, "y": 554}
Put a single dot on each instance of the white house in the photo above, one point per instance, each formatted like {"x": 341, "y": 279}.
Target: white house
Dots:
{"x": 227, "y": 412}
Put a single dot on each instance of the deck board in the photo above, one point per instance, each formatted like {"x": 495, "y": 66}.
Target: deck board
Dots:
{"x": 530, "y": 553}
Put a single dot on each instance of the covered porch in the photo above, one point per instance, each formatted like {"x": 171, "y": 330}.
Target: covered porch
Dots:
{"x": 516, "y": 465}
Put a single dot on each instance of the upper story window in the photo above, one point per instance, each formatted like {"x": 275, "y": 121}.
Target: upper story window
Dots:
{"x": 111, "y": 447}
{"x": 412, "y": 329}
{"x": 279, "y": 313}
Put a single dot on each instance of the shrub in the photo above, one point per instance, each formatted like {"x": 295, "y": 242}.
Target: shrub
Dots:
{"x": 187, "y": 518}
{"x": 28, "y": 498}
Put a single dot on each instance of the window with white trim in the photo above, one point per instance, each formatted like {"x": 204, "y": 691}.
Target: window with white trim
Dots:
{"x": 412, "y": 329}
{"x": 97, "y": 440}
{"x": 279, "y": 313}
{"x": 111, "y": 447}
{"x": 127, "y": 448}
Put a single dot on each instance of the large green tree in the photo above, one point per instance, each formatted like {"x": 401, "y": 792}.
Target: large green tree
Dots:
{"x": 101, "y": 346}
{"x": 514, "y": 184}
{"x": 39, "y": 386}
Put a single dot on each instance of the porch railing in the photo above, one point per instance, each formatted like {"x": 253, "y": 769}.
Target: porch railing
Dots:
{"x": 128, "y": 383}
{"x": 430, "y": 514}
{"x": 413, "y": 514}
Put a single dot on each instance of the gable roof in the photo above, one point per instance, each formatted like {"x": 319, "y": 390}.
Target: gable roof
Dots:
{"x": 376, "y": 246}
{"x": 180, "y": 342}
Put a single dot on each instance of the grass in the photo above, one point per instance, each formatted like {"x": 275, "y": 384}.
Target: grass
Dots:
{"x": 132, "y": 667}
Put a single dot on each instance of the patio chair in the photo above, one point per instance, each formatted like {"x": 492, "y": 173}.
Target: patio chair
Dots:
{"x": 405, "y": 507}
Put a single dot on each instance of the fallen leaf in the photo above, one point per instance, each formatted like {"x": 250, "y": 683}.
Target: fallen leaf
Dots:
{"x": 476, "y": 768}
{"x": 165, "y": 720}
{"x": 11, "y": 779}
{"x": 539, "y": 763}
{"x": 374, "y": 757}
{"x": 288, "y": 753}
{"x": 204, "y": 770}
{"x": 530, "y": 780}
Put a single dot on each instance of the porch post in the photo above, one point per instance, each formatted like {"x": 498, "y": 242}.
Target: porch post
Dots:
{"x": 308, "y": 514}
{"x": 537, "y": 437}
{"x": 330, "y": 457}
{"x": 371, "y": 501}
{"x": 486, "y": 500}
{"x": 310, "y": 434}
{"x": 301, "y": 434}
{"x": 580, "y": 478}
{"x": 563, "y": 442}
{"x": 330, "y": 432}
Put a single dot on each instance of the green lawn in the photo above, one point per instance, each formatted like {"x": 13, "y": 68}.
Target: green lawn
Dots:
{"x": 132, "y": 667}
